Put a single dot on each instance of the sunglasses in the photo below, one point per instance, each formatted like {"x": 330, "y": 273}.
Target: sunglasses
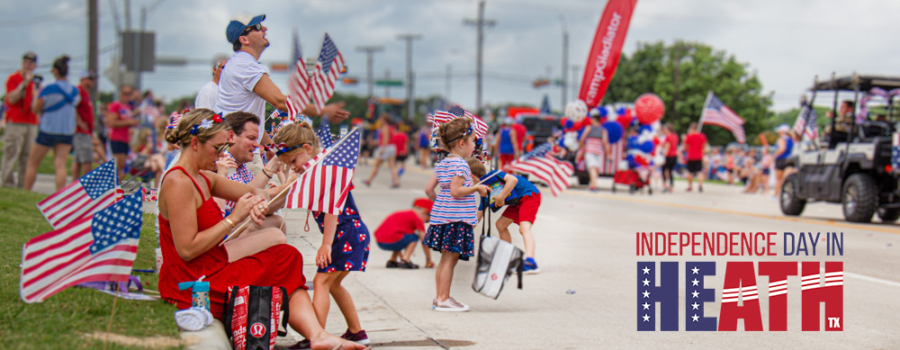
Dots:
{"x": 257, "y": 27}
{"x": 222, "y": 147}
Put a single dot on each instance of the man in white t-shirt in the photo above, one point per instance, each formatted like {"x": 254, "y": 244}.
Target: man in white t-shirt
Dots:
{"x": 206, "y": 97}
{"x": 245, "y": 84}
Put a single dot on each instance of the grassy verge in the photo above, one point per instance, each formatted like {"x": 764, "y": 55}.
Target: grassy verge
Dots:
{"x": 46, "y": 166}
{"x": 62, "y": 320}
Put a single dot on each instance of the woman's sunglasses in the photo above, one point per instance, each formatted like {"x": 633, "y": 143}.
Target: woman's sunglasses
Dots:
{"x": 222, "y": 147}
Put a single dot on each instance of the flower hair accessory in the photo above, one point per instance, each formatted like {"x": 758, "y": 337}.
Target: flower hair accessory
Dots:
{"x": 217, "y": 118}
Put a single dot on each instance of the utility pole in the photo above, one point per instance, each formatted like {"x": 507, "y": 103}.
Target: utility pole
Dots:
{"x": 370, "y": 79}
{"x": 410, "y": 100}
{"x": 93, "y": 36}
{"x": 479, "y": 23}
{"x": 565, "y": 59}
{"x": 447, "y": 83}
{"x": 575, "y": 87}
{"x": 127, "y": 15}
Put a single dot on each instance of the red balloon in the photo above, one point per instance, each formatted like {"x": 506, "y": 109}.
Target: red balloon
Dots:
{"x": 649, "y": 108}
{"x": 625, "y": 120}
{"x": 562, "y": 121}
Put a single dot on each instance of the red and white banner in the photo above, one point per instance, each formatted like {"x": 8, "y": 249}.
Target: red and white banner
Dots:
{"x": 604, "y": 56}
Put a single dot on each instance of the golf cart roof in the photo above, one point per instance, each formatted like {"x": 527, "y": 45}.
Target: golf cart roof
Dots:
{"x": 866, "y": 83}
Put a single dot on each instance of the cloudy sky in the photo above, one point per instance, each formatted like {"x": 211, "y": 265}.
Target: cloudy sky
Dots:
{"x": 786, "y": 42}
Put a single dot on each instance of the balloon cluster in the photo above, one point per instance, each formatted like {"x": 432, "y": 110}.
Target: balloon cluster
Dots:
{"x": 640, "y": 146}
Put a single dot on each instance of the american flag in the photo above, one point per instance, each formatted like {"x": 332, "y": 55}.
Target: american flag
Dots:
{"x": 98, "y": 247}
{"x": 544, "y": 167}
{"x": 717, "y": 113}
{"x": 328, "y": 66}
{"x": 807, "y": 123}
{"x": 324, "y": 135}
{"x": 93, "y": 191}
{"x": 324, "y": 187}
{"x": 440, "y": 117}
{"x": 298, "y": 84}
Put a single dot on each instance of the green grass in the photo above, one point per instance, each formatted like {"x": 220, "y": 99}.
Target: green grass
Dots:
{"x": 46, "y": 166}
{"x": 62, "y": 320}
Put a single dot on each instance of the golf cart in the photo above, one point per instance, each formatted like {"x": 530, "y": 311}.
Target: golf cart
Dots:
{"x": 855, "y": 167}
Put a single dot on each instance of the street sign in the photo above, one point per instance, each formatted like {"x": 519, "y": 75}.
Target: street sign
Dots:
{"x": 139, "y": 50}
{"x": 389, "y": 83}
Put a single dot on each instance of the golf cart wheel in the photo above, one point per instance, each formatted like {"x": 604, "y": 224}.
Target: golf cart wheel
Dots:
{"x": 859, "y": 198}
{"x": 791, "y": 204}
{"x": 888, "y": 214}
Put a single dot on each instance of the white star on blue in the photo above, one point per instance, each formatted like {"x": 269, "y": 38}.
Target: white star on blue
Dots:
{"x": 128, "y": 220}
{"x": 346, "y": 154}
{"x": 100, "y": 180}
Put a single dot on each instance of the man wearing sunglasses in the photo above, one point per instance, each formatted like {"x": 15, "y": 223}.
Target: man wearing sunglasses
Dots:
{"x": 245, "y": 84}
{"x": 206, "y": 97}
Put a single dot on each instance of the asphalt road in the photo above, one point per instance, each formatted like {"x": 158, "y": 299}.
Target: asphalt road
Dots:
{"x": 586, "y": 245}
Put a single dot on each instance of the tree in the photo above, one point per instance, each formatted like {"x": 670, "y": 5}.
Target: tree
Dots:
{"x": 682, "y": 74}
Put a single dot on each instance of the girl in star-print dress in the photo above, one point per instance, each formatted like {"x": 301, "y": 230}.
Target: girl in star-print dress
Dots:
{"x": 345, "y": 239}
{"x": 348, "y": 251}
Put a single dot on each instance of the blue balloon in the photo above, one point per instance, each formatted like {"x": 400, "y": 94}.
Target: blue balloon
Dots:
{"x": 632, "y": 142}
{"x": 569, "y": 124}
{"x": 647, "y": 147}
{"x": 645, "y": 127}
{"x": 613, "y": 131}
{"x": 603, "y": 111}
{"x": 620, "y": 111}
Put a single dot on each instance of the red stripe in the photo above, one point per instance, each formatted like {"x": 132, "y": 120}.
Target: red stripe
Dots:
{"x": 37, "y": 255}
{"x": 91, "y": 207}
{"x": 333, "y": 190}
{"x": 320, "y": 184}
{"x": 90, "y": 264}
{"x": 53, "y": 234}
{"x": 51, "y": 202}
{"x": 312, "y": 183}
{"x": 64, "y": 282}
{"x": 74, "y": 256}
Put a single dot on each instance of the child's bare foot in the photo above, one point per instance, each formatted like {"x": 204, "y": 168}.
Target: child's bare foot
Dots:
{"x": 330, "y": 342}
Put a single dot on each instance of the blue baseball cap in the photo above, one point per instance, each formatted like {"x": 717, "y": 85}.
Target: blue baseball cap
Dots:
{"x": 236, "y": 28}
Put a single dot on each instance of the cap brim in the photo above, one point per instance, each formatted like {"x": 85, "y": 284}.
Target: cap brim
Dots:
{"x": 256, "y": 20}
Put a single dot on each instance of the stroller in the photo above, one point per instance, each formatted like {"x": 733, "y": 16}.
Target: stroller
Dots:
{"x": 634, "y": 179}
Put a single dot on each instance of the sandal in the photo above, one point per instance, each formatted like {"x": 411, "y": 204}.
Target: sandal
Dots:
{"x": 407, "y": 265}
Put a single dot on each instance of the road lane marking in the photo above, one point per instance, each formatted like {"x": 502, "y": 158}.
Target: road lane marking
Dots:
{"x": 736, "y": 212}
{"x": 872, "y": 279}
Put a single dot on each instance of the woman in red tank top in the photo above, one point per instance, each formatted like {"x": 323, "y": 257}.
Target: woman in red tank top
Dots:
{"x": 192, "y": 228}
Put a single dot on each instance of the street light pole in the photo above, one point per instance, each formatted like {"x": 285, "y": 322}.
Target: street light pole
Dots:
{"x": 479, "y": 23}
{"x": 565, "y": 59}
{"x": 410, "y": 100}
{"x": 370, "y": 79}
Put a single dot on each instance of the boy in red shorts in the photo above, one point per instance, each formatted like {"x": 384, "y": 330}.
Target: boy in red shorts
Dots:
{"x": 523, "y": 199}
{"x": 400, "y": 232}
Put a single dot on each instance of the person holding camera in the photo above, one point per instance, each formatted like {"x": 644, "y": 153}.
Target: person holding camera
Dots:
{"x": 21, "y": 123}
{"x": 55, "y": 108}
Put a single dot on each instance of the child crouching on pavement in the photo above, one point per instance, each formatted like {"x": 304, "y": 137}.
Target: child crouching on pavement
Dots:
{"x": 345, "y": 241}
{"x": 401, "y": 231}
{"x": 523, "y": 199}
{"x": 454, "y": 213}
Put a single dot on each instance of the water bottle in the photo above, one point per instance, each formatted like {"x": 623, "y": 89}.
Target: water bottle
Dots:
{"x": 199, "y": 292}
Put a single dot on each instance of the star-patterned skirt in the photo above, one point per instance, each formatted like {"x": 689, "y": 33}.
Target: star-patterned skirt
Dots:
{"x": 455, "y": 237}
{"x": 350, "y": 249}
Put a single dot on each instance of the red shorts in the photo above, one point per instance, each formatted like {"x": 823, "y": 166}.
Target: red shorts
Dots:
{"x": 505, "y": 159}
{"x": 525, "y": 210}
